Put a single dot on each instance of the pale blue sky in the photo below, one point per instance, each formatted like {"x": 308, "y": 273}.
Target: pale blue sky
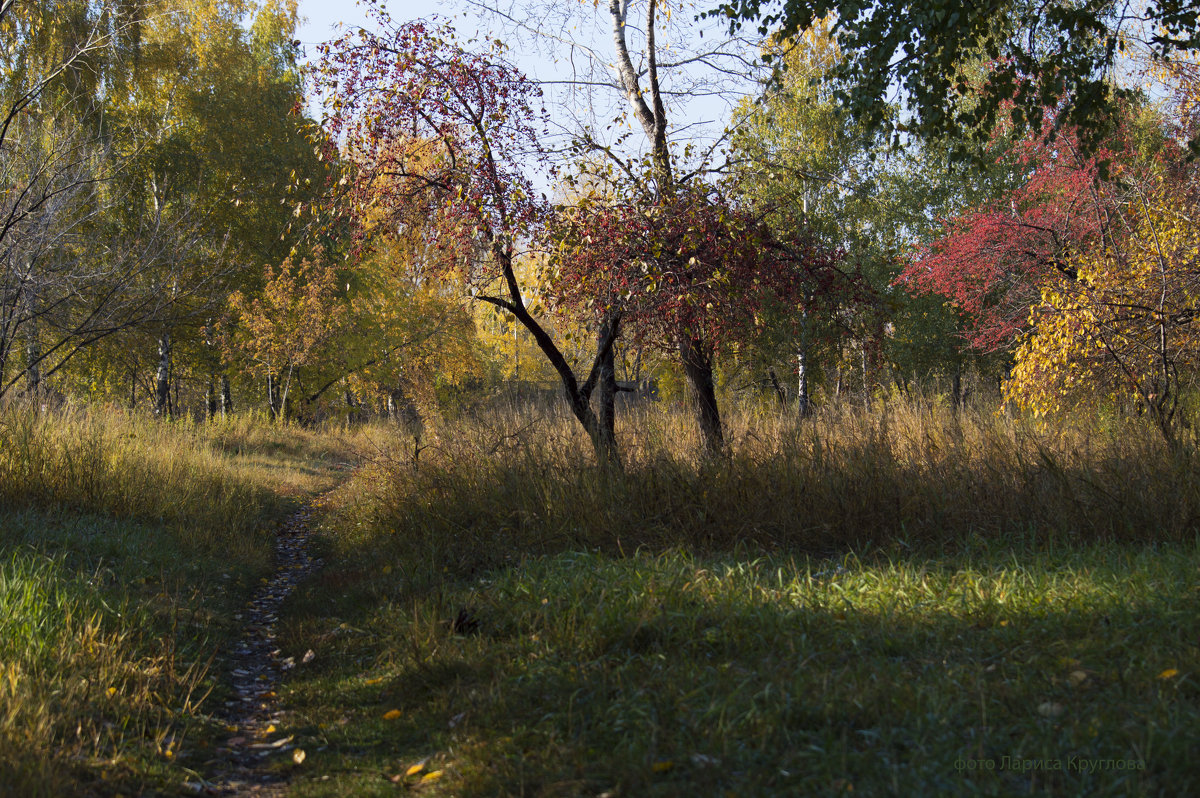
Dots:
{"x": 699, "y": 115}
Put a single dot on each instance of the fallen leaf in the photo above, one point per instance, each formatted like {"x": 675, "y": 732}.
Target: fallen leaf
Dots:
{"x": 308, "y": 657}
{"x": 1169, "y": 673}
{"x": 374, "y": 681}
{"x": 432, "y": 775}
{"x": 663, "y": 766}
{"x": 392, "y": 714}
{"x": 1077, "y": 678}
{"x": 298, "y": 755}
{"x": 415, "y": 769}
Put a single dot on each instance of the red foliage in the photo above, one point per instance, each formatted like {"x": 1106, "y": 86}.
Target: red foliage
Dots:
{"x": 691, "y": 264}
{"x": 434, "y": 129}
{"x": 992, "y": 260}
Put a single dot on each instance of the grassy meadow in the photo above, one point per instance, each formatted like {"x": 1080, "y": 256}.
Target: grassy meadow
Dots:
{"x": 897, "y": 602}
{"x": 904, "y": 601}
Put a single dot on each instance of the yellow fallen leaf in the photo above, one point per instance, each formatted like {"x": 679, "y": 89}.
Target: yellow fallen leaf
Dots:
{"x": 432, "y": 775}
{"x": 374, "y": 681}
{"x": 270, "y": 729}
{"x": 392, "y": 714}
{"x": 1077, "y": 678}
{"x": 1169, "y": 673}
{"x": 415, "y": 769}
{"x": 298, "y": 755}
{"x": 663, "y": 766}
{"x": 112, "y": 691}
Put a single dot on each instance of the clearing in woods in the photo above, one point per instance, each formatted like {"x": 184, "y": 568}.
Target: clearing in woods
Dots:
{"x": 895, "y": 603}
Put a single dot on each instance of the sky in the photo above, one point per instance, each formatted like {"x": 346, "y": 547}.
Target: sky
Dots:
{"x": 575, "y": 33}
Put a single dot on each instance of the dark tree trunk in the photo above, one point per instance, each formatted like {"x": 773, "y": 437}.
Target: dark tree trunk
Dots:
{"x": 162, "y": 386}
{"x": 210, "y": 398}
{"x": 33, "y": 361}
{"x": 698, "y": 368}
{"x": 780, "y": 394}
{"x": 956, "y": 392}
{"x": 226, "y": 396}
{"x": 866, "y": 378}
{"x": 606, "y": 410}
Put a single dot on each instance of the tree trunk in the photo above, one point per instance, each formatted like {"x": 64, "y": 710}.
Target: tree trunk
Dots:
{"x": 272, "y": 395}
{"x": 606, "y": 410}
{"x": 210, "y": 398}
{"x": 404, "y": 412}
{"x": 803, "y": 406}
{"x": 226, "y": 396}
{"x": 779, "y": 392}
{"x": 162, "y": 387}
{"x": 866, "y": 378}
{"x": 33, "y": 361}
{"x": 956, "y": 394}
{"x": 698, "y": 368}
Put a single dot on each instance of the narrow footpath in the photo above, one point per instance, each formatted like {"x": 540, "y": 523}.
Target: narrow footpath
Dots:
{"x": 248, "y": 763}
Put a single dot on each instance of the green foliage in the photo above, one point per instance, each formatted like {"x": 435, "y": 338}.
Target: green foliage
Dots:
{"x": 807, "y": 161}
{"x": 1046, "y": 62}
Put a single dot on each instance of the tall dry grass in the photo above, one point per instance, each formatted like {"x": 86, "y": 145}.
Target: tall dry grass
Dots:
{"x": 522, "y": 480}
{"x": 126, "y": 546}
{"x": 211, "y": 482}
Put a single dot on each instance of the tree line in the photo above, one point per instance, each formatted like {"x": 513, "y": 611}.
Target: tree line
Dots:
{"x": 1023, "y": 214}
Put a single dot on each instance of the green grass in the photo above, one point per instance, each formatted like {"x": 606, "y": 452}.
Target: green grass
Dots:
{"x": 888, "y": 604}
{"x": 126, "y": 547}
{"x": 673, "y": 674}
{"x": 900, "y": 603}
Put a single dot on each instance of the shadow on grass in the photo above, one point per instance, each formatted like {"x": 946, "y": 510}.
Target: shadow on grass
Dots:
{"x": 996, "y": 673}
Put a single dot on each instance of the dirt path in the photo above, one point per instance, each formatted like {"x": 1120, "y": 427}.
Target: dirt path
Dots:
{"x": 249, "y": 762}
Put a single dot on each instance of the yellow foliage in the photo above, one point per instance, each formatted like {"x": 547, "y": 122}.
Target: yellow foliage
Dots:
{"x": 1123, "y": 329}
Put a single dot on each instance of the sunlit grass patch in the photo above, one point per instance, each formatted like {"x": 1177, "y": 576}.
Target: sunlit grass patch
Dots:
{"x": 89, "y": 688}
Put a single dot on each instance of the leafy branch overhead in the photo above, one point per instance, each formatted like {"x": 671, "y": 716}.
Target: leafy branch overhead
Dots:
{"x": 961, "y": 67}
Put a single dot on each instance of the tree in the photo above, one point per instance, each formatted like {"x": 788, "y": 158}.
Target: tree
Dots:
{"x": 205, "y": 112}
{"x": 992, "y": 259}
{"x": 286, "y": 328}
{"x": 70, "y": 276}
{"x": 1124, "y": 325}
{"x": 692, "y": 270}
{"x": 1047, "y": 62}
{"x": 1089, "y": 275}
{"x": 432, "y": 126}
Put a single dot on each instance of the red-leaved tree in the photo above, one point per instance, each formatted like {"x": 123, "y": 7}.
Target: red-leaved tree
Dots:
{"x": 432, "y": 127}
{"x": 687, "y": 270}
{"x": 992, "y": 260}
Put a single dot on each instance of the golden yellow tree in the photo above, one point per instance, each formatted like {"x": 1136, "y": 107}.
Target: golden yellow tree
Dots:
{"x": 1125, "y": 328}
